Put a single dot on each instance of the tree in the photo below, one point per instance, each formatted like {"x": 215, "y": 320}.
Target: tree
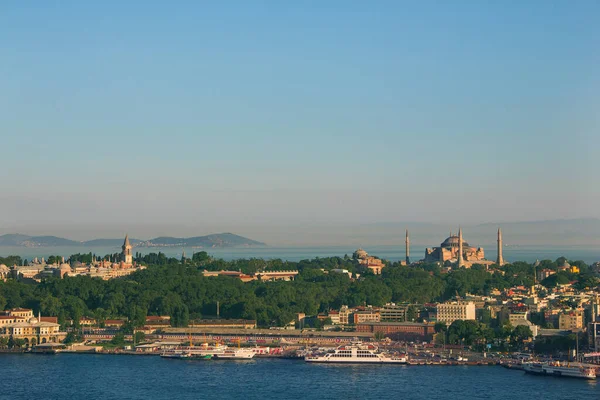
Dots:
{"x": 50, "y": 305}
{"x": 74, "y": 336}
{"x": 464, "y": 332}
{"x": 411, "y": 314}
{"x": 118, "y": 339}
{"x": 521, "y": 333}
{"x": 139, "y": 337}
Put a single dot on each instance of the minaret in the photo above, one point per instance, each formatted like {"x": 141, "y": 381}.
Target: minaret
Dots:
{"x": 460, "y": 262}
{"x": 500, "y": 259}
{"x": 407, "y": 243}
{"x": 127, "y": 257}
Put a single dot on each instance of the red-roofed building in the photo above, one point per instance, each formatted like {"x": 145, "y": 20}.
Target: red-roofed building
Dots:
{"x": 53, "y": 320}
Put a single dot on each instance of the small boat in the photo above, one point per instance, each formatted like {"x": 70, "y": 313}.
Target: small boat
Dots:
{"x": 176, "y": 354}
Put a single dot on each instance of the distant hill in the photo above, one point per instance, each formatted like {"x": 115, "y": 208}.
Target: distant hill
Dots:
{"x": 19, "y": 240}
{"x": 215, "y": 240}
{"x": 109, "y": 242}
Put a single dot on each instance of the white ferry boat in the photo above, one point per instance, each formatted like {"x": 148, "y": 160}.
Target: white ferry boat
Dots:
{"x": 236, "y": 354}
{"x": 358, "y": 353}
{"x": 560, "y": 370}
{"x": 204, "y": 351}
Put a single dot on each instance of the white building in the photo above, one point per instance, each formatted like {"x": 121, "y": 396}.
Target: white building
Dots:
{"x": 450, "y": 312}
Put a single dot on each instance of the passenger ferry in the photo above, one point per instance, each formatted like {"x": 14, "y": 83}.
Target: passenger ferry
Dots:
{"x": 559, "y": 369}
{"x": 358, "y": 353}
{"x": 236, "y": 354}
{"x": 204, "y": 351}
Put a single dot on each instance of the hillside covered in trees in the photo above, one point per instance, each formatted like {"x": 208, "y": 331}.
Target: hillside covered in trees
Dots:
{"x": 178, "y": 288}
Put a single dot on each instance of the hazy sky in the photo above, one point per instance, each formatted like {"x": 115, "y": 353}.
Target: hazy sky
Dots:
{"x": 193, "y": 117}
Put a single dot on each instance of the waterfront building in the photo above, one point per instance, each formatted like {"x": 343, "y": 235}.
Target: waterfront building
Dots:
{"x": 450, "y": 312}
{"x": 32, "y": 331}
{"x": 399, "y": 330}
{"x": 571, "y": 320}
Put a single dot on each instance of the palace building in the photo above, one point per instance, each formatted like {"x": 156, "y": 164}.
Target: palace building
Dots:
{"x": 21, "y": 324}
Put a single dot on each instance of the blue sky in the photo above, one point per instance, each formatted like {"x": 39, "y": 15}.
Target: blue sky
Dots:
{"x": 193, "y": 117}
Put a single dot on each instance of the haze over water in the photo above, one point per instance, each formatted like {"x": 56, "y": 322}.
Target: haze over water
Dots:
{"x": 588, "y": 254}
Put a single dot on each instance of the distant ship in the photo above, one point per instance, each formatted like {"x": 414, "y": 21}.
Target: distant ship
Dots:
{"x": 357, "y": 352}
{"x": 559, "y": 370}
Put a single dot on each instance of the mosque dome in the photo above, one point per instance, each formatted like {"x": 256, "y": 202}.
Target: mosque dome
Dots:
{"x": 452, "y": 241}
{"x": 65, "y": 267}
{"x": 33, "y": 320}
{"x": 565, "y": 264}
{"x": 360, "y": 253}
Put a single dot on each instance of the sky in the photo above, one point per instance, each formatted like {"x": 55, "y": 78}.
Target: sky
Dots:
{"x": 275, "y": 119}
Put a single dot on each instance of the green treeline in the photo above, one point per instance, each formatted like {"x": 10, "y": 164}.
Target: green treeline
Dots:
{"x": 177, "y": 288}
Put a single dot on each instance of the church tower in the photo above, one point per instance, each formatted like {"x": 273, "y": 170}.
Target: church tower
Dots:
{"x": 126, "y": 254}
{"x": 500, "y": 259}
{"x": 460, "y": 262}
{"x": 407, "y": 243}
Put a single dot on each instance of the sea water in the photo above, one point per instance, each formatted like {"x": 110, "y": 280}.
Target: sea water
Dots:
{"x": 394, "y": 253}
{"x": 91, "y": 377}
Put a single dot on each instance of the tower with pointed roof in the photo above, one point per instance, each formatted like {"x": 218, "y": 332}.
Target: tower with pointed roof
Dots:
{"x": 460, "y": 261}
{"x": 500, "y": 258}
{"x": 126, "y": 254}
{"x": 407, "y": 243}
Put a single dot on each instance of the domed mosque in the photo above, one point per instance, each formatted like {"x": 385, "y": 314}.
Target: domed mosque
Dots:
{"x": 455, "y": 249}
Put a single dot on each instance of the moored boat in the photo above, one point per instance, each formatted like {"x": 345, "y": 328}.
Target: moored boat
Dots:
{"x": 236, "y": 354}
{"x": 559, "y": 370}
{"x": 359, "y": 353}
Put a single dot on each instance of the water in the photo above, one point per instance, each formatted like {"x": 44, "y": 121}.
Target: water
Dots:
{"x": 394, "y": 253}
{"x": 93, "y": 377}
